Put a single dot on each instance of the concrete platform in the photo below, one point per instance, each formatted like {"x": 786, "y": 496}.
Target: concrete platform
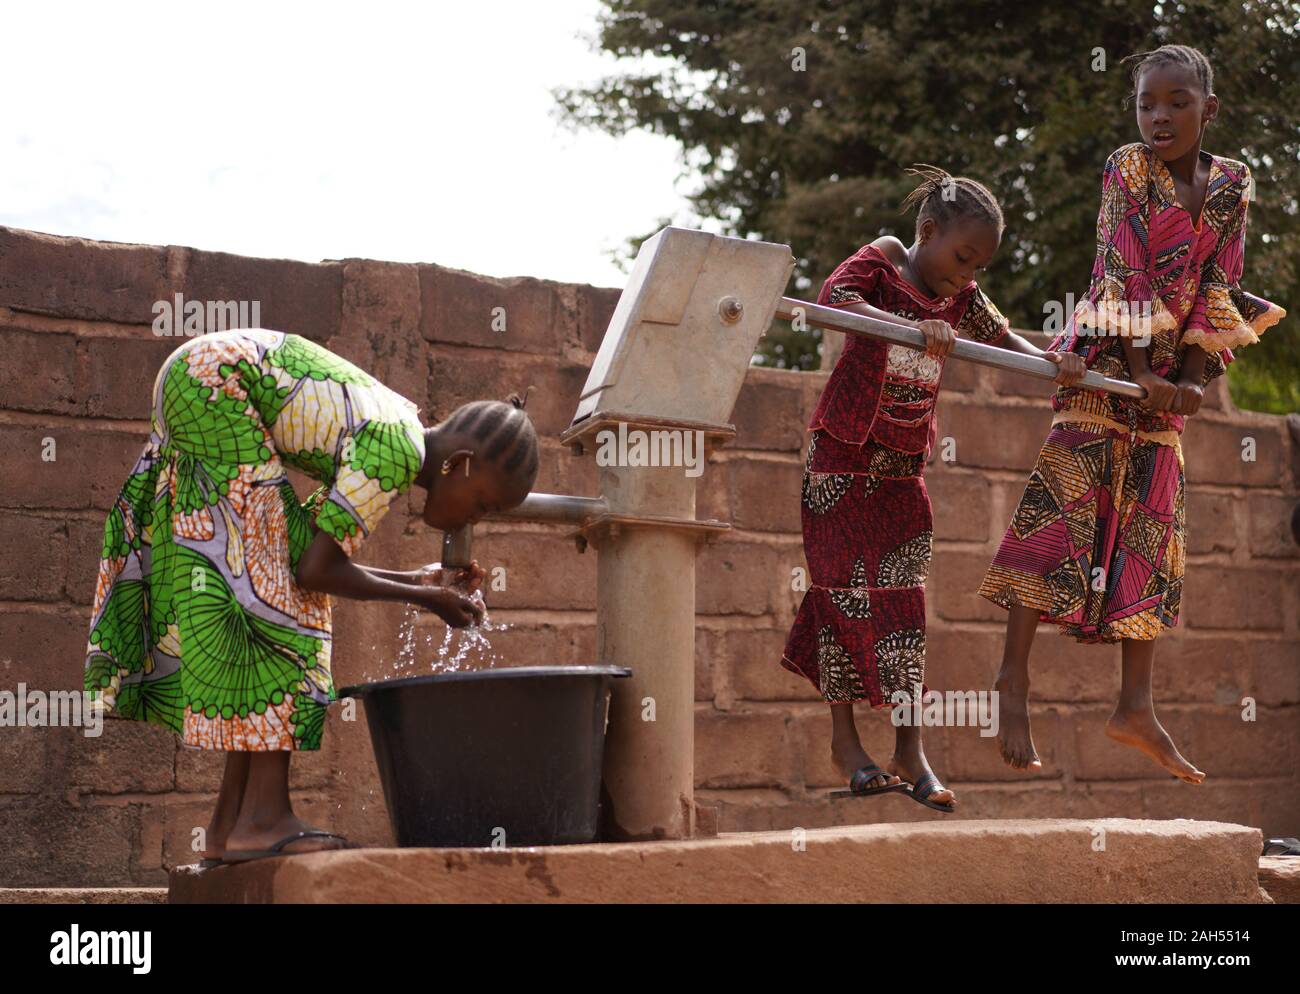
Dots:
{"x": 1280, "y": 877}
{"x": 1050, "y": 861}
{"x": 83, "y": 895}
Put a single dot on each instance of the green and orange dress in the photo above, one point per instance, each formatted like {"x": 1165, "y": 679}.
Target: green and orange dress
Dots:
{"x": 198, "y": 623}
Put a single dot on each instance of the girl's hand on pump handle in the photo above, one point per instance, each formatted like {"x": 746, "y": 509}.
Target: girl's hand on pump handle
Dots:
{"x": 1070, "y": 367}
{"x": 939, "y": 337}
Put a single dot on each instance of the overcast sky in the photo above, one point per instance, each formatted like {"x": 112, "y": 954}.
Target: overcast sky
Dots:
{"x": 414, "y": 132}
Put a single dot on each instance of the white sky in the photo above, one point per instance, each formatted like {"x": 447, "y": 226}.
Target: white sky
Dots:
{"x": 412, "y": 132}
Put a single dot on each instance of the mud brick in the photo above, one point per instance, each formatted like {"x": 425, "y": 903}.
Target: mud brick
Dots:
{"x": 25, "y": 758}
{"x": 955, "y": 578}
{"x": 484, "y": 375}
{"x": 80, "y": 570}
{"x": 993, "y": 436}
{"x": 359, "y": 811}
{"x": 1214, "y": 453}
{"x": 460, "y": 307}
{"x": 1270, "y": 526}
{"x": 1272, "y": 674}
{"x": 378, "y": 327}
{"x": 962, "y": 503}
{"x": 541, "y": 570}
{"x": 1211, "y": 521}
{"x": 1063, "y": 670}
{"x": 43, "y": 649}
{"x": 299, "y": 297}
{"x": 741, "y": 749}
{"x": 532, "y": 642}
{"x": 119, "y": 373}
{"x": 1217, "y": 396}
{"x": 1214, "y": 799}
{"x": 771, "y": 411}
{"x": 65, "y": 481}
{"x": 51, "y": 844}
{"x": 560, "y": 471}
{"x": 1206, "y": 669}
{"x": 764, "y": 494}
{"x": 1226, "y": 597}
{"x": 39, "y": 372}
{"x": 961, "y": 659}
{"x": 960, "y": 376}
{"x": 1006, "y": 383}
{"x": 128, "y": 757}
{"x": 1224, "y": 744}
{"x": 737, "y": 577}
{"x": 751, "y": 658}
{"x": 380, "y": 301}
{"x": 34, "y": 547}
{"x": 708, "y": 670}
{"x": 199, "y": 770}
{"x": 78, "y": 278}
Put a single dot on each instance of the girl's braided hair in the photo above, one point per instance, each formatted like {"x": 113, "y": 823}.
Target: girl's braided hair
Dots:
{"x": 945, "y": 198}
{"x": 507, "y": 435}
{"x": 1183, "y": 56}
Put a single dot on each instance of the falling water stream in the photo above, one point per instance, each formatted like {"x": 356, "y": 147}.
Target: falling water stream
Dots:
{"x": 461, "y": 649}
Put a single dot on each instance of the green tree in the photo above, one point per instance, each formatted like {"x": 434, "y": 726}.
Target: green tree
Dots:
{"x": 797, "y": 120}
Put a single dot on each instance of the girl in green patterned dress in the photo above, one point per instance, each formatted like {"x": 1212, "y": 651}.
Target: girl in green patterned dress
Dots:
{"x": 212, "y": 606}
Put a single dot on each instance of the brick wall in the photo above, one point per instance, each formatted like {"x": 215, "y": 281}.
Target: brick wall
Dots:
{"x": 78, "y": 361}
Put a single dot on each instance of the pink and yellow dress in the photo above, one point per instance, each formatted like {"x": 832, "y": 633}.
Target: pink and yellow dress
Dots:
{"x": 1097, "y": 541}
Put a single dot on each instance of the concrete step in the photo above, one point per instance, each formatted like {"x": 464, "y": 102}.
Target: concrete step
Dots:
{"x": 83, "y": 895}
{"x": 1109, "y": 860}
{"x": 1280, "y": 876}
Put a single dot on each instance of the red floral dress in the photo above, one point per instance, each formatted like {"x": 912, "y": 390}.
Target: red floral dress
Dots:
{"x": 867, "y": 524}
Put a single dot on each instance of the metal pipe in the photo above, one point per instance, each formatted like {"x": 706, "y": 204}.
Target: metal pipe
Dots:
{"x": 838, "y": 319}
{"x": 457, "y": 546}
{"x": 561, "y": 508}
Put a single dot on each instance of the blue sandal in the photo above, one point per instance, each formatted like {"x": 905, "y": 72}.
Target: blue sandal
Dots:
{"x": 863, "y": 776}
{"x": 926, "y": 785}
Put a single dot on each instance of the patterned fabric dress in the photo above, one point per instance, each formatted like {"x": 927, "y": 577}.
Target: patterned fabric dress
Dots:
{"x": 1097, "y": 541}
{"x": 867, "y": 525}
{"x": 198, "y": 624}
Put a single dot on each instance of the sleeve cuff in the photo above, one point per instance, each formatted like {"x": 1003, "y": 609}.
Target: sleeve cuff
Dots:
{"x": 1230, "y": 318}
{"x": 1128, "y": 318}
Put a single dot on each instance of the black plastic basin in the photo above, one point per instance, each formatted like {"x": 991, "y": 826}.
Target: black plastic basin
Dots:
{"x": 494, "y": 757}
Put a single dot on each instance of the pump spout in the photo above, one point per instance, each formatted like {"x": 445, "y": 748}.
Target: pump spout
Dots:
{"x": 553, "y": 508}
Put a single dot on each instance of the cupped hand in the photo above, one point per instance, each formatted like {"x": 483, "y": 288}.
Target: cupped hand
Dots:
{"x": 1070, "y": 368}
{"x": 451, "y": 605}
{"x": 939, "y": 336}
{"x": 467, "y": 579}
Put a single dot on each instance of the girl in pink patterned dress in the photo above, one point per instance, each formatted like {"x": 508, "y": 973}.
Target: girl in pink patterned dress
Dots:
{"x": 1096, "y": 544}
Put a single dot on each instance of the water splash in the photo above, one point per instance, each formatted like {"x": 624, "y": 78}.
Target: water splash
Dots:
{"x": 460, "y": 650}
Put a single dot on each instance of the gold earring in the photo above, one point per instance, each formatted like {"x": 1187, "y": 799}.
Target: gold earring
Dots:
{"x": 467, "y": 459}
{"x": 446, "y": 466}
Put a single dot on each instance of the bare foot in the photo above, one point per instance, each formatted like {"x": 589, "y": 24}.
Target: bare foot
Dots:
{"x": 1141, "y": 730}
{"x": 1015, "y": 741}
{"x": 849, "y": 757}
{"x": 912, "y": 766}
{"x": 244, "y": 837}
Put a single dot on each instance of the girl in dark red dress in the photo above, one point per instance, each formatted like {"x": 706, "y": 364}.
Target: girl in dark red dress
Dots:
{"x": 867, "y": 526}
